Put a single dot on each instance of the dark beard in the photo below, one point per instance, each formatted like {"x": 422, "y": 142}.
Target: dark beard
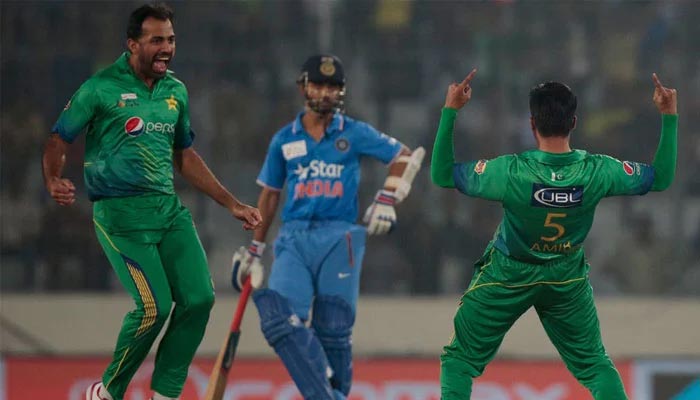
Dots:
{"x": 319, "y": 106}
{"x": 147, "y": 67}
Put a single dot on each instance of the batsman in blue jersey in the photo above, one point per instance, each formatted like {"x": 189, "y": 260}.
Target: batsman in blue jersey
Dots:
{"x": 319, "y": 249}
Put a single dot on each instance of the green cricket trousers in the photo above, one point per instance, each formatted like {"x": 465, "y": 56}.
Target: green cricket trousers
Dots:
{"x": 501, "y": 290}
{"x": 153, "y": 246}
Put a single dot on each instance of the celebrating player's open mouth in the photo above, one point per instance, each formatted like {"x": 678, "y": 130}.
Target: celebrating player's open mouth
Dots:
{"x": 141, "y": 170}
{"x": 160, "y": 64}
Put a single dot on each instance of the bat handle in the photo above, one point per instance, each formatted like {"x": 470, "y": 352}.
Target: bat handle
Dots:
{"x": 240, "y": 308}
{"x": 235, "y": 333}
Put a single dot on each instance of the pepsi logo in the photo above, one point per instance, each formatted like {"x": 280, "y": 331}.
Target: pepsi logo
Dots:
{"x": 134, "y": 126}
{"x": 628, "y": 167}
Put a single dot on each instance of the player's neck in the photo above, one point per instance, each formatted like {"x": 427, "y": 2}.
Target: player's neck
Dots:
{"x": 554, "y": 144}
{"x": 316, "y": 124}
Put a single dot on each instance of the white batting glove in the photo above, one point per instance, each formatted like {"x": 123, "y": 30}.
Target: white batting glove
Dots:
{"x": 247, "y": 262}
{"x": 380, "y": 217}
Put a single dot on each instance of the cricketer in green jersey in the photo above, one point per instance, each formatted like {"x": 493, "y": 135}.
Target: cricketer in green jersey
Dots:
{"x": 138, "y": 129}
{"x": 536, "y": 257}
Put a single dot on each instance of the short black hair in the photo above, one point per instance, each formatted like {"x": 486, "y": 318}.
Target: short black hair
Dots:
{"x": 553, "y": 107}
{"x": 158, "y": 11}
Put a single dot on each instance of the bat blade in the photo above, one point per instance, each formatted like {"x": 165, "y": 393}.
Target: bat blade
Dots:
{"x": 219, "y": 375}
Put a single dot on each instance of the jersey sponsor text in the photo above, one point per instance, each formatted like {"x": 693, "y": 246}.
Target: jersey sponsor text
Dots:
{"x": 309, "y": 184}
{"x": 318, "y": 188}
{"x": 319, "y": 169}
{"x": 135, "y": 126}
{"x": 556, "y": 197}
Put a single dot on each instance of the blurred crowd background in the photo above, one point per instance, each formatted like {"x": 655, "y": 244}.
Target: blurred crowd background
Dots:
{"x": 240, "y": 59}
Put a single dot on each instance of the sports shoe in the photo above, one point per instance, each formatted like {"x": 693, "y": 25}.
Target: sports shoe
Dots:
{"x": 95, "y": 392}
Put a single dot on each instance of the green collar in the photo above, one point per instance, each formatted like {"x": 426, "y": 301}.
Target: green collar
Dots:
{"x": 123, "y": 64}
{"x": 556, "y": 158}
{"x": 124, "y": 67}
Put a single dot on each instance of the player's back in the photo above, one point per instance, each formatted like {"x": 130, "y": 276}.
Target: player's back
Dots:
{"x": 549, "y": 199}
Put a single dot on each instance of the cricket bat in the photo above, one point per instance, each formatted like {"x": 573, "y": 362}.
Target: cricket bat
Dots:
{"x": 217, "y": 381}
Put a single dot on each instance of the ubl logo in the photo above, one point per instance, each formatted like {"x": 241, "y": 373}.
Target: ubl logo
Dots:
{"x": 556, "y": 197}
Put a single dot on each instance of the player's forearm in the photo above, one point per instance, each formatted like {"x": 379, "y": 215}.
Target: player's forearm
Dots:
{"x": 442, "y": 164}
{"x": 396, "y": 170}
{"x": 54, "y": 157}
{"x": 267, "y": 204}
{"x": 666, "y": 154}
{"x": 197, "y": 173}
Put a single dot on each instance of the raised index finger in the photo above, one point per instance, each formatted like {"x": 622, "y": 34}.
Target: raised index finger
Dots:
{"x": 469, "y": 78}
{"x": 657, "y": 82}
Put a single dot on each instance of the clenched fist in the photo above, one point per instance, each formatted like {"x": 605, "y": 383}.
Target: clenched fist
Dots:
{"x": 250, "y": 216}
{"x": 61, "y": 190}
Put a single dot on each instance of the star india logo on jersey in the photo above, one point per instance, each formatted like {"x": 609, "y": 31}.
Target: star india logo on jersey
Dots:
{"x": 317, "y": 179}
{"x": 302, "y": 172}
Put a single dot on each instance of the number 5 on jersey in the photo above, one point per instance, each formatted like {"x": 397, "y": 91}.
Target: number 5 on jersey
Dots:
{"x": 551, "y": 224}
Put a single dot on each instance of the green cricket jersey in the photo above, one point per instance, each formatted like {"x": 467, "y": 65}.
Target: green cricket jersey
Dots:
{"x": 548, "y": 199}
{"x": 131, "y": 130}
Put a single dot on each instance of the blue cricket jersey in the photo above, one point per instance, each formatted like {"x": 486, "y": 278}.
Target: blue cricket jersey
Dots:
{"x": 323, "y": 177}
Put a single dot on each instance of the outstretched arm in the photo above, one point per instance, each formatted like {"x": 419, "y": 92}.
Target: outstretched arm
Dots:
{"x": 248, "y": 262}
{"x": 443, "y": 159}
{"x": 268, "y": 202}
{"x": 667, "y": 152}
{"x": 191, "y": 166}
{"x": 442, "y": 163}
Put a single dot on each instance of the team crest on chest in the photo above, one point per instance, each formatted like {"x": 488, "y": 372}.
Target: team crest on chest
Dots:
{"x": 172, "y": 103}
{"x": 342, "y": 144}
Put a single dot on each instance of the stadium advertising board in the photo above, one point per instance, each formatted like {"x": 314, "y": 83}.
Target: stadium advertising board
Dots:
{"x": 384, "y": 379}
{"x": 667, "y": 379}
